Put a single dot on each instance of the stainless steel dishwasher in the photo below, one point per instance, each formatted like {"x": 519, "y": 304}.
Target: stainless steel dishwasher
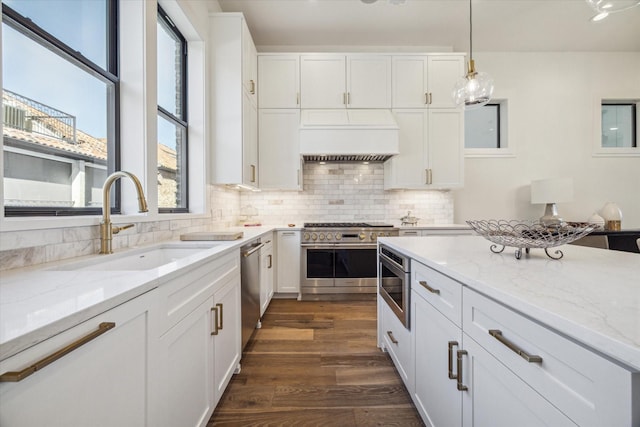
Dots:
{"x": 250, "y": 288}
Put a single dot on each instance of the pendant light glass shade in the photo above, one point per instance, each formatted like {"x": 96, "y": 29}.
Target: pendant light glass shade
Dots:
{"x": 474, "y": 89}
{"x": 603, "y": 8}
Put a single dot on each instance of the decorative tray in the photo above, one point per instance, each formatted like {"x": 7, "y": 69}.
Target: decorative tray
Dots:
{"x": 530, "y": 234}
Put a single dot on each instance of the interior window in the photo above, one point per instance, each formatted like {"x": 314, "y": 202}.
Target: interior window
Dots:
{"x": 482, "y": 127}
{"x": 59, "y": 99}
{"x": 172, "y": 117}
{"x": 619, "y": 125}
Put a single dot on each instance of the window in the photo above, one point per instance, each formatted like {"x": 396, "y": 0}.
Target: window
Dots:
{"x": 59, "y": 100}
{"x": 172, "y": 117}
{"x": 619, "y": 125}
{"x": 485, "y": 131}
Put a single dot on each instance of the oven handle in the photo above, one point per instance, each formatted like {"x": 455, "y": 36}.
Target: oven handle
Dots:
{"x": 385, "y": 261}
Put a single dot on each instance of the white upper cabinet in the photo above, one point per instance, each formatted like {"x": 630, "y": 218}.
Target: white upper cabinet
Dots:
{"x": 279, "y": 136}
{"x": 368, "y": 81}
{"x": 351, "y": 81}
{"x": 323, "y": 81}
{"x": 425, "y": 81}
{"x": 279, "y": 77}
{"x": 430, "y": 150}
{"x": 233, "y": 75}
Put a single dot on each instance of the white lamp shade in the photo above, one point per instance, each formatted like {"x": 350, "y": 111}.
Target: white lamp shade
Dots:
{"x": 555, "y": 190}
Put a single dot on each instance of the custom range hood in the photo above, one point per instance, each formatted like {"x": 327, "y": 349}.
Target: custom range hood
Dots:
{"x": 347, "y": 135}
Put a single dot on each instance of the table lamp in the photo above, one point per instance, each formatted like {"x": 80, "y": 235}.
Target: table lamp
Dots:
{"x": 550, "y": 192}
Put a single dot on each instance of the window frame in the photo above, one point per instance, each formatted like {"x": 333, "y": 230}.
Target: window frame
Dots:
{"x": 179, "y": 121}
{"x": 598, "y": 149}
{"x": 505, "y": 146}
{"x": 29, "y": 29}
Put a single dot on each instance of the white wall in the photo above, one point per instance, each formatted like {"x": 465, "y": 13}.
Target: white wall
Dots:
{"x": 553, "y": 102}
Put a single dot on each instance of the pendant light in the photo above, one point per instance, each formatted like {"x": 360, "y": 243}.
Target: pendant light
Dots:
{"x": 603, "y": 8}
{"x": 475, "y": 88}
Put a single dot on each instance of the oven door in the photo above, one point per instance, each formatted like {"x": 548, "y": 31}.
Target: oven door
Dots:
{"x": 394, "y": 288}
{"x": 356, "y": 266}
{"x": 318, "y": 265}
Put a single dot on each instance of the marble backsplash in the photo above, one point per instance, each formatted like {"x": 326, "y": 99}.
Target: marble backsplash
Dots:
{"x": 347, "y": 192}
{"x": 332, "y": 192}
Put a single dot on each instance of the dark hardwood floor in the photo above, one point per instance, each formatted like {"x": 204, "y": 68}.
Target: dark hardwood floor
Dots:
{"x": 316, "y": 364}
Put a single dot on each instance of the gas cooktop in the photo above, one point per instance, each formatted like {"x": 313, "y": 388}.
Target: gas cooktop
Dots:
{"x": 347, "y": 225}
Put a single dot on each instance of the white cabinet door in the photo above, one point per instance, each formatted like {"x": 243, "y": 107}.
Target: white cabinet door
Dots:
{"x": 187, "y": 369}
{"x": 266, "y": 273}
{"x": 102, "y": 382}
{"x": 249, "y": 64}
{"x": 234, "y": 117}
{"x": 279, "y": 77}
{"x": 227, "y": 334}
{"x": 249, "y": 142}
{"x": 323, "y": 81}
{"x": 443, "y": 72}
{"x": 445, "y": 139}
{"x": 408, "y": 168}
{"x": 288, "y": 262}
{"x": 369, "y": 81}
{"x": 425, "y": 81}
{"x": 497, "y": 397}
{"x": 410, "y": 82}
{"x": 430, "y": 150}
{"x": 395, "y": 338}
{"x": 437, "y": 397}
{"x": 278, "y": 141}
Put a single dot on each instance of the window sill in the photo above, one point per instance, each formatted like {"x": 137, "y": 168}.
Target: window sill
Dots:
{"x": 488, "y": 153}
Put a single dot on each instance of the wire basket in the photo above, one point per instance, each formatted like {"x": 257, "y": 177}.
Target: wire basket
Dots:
{"x": 530, "y": 234}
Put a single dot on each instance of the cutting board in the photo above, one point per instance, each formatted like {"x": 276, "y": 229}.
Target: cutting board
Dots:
{"x": 213, "y": 235}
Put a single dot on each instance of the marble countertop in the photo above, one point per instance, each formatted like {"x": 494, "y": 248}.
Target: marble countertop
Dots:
{"x": 591, "y": 295}
{"x": 41, "y": 301}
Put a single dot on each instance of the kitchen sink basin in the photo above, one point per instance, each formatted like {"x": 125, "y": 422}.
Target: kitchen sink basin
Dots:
{"x": 138, "y": 259}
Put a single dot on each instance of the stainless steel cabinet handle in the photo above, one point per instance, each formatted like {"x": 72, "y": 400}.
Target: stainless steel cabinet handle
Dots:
{"x": 430, "y": 98}
{"x": 253, "y": 173}
{"x": 16, "y": 376}
{"x": 344, "y": 98}
{"x": 392, "y": 338}
{"x": 253, "y": 87}
{"x": 429, "y": 179}
{"x": 426, "y": 98}
{"x": 214, "y": 318}
{"x": 298, "y": 98}
{"x": 497, "y": 334}
{"x": 270, "y": 261}
{"x": 348, "y": 98}
{"x": 450, "y": 345}
{"x": 429, "y": 288}
{"x": 459, "y": 384}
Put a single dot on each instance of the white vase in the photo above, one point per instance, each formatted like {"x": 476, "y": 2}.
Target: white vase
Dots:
{"x": 596, "y": 219}
{"x": 612, "y": 216}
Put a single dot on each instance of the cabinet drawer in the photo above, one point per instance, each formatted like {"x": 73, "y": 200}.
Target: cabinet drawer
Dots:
{"x": 181, "y": 295}
{"x": 396, "y": 340}
{"x": 588, "y": 388}
{"x": 444, "y": 293}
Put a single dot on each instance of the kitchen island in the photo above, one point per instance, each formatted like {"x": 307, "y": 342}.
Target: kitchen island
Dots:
{"x": 545, "y": 340}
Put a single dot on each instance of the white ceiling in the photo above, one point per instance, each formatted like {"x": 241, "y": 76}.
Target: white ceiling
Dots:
{"x": 498, "y": 25}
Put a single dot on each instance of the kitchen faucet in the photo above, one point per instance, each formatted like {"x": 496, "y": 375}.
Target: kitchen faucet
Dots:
{"x": 107, "y": 230}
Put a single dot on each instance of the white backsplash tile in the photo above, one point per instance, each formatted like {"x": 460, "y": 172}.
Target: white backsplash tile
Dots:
{"x": 348, "y": 192}
{"x": 332, "y": 192}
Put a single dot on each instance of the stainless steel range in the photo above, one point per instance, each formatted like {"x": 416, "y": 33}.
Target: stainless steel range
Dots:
{"x": 341, "y": 257}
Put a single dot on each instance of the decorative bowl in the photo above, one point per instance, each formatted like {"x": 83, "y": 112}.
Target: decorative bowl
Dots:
{"x": 530, "y": 234}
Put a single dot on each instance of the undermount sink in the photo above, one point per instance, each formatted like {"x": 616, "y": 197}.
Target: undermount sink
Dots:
{"x": 137, "y": 259}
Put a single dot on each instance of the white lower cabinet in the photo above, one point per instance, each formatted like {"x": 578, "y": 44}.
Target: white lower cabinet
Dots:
{"x": 395, "y": 339}
{"x": 266, "y": 273}
{"x": 437, "y": 340}
{"x": 288, "y": 261}
{"x": 496, "y": 396}
{"x": 201, "y": 346}
{"x": 103, "y": 382}
{"x": 480, "y": 363}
